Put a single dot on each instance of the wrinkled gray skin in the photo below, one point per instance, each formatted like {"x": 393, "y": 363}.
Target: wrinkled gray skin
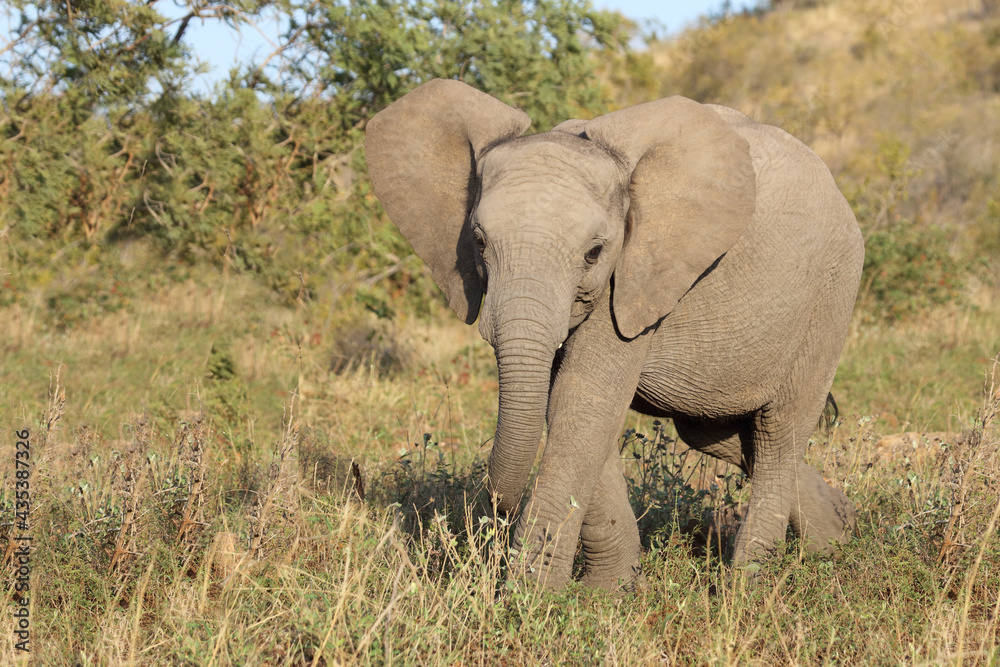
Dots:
{"x": 692, "y": 263}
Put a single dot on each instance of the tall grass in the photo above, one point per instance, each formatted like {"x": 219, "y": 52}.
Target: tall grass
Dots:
{"x": 214, "y": 526}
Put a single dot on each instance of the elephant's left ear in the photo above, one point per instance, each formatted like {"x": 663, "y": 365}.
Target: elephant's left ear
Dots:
{"x": 691, "y": 195}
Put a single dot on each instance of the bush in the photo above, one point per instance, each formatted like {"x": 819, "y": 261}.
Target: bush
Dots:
{"x": 909, "y": 269}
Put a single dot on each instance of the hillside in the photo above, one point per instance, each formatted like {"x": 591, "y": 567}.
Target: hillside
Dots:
{"x": 900, "y": 102}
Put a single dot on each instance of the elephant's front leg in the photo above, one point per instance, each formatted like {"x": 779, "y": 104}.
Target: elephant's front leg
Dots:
{"x": 578, "y": 480}
{"x": 610, "y": 534}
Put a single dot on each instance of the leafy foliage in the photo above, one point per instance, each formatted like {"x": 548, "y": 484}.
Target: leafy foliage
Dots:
{"x": 99, "y": 53}
{"x": 909, "y": 269}
{"x": 669, "y": 490}
{"x": 101, "y": 142}
{"x": 364, "y": 55}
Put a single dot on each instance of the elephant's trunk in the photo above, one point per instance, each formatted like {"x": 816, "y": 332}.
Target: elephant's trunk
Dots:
{"x": 524, "y": 393}
{"x": 525, "y": 341}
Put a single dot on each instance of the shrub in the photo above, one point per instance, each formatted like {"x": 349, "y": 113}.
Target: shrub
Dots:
{"x": 909, "y": 269}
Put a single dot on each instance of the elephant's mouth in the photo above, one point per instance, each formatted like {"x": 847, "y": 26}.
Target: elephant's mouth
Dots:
{"x": 582, "y": 306}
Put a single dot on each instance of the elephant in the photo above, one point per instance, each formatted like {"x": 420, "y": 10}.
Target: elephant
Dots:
{"x": 674, "y": 258}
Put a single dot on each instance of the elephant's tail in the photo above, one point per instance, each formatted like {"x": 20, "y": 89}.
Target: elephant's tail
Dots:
{"x": 830, "y": 413}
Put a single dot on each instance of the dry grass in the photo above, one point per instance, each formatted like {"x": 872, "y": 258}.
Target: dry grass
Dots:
{"x": 207, "y": 530}
{"x": 329, "y": 579}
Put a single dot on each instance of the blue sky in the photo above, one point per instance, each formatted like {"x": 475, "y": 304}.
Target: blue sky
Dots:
{"x": 221, "y": 47}
{"x": 674, "y": 15}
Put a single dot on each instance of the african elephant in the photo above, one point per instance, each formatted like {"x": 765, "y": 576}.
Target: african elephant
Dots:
{"x": 674, "y": 258}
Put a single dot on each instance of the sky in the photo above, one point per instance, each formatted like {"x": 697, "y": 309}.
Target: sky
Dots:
{"x": 221, "y": 47}
{"x": 674, "y": 15}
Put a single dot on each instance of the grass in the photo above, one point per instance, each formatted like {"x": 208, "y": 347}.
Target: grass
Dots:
{"x": 193, "y": 507}
{"x": 925, "y": 374}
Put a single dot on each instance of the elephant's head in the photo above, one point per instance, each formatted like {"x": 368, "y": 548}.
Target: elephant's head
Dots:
{"x": 647, "y": 199}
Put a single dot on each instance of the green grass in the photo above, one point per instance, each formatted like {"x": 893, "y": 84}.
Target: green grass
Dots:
{"x": 342, "y": 580}
{"x": 925, "y": 374}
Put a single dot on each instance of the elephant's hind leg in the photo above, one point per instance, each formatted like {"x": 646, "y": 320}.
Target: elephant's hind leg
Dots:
{"x": 610, "y": 534}
{"x": 822, "y": 516}
{"x": 772, "y": 473}
{"x": 783, "y": 489}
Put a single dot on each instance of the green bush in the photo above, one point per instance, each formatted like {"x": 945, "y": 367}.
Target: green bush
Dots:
{"x": 663, "y": 497}
{"x": 908, "y": 269}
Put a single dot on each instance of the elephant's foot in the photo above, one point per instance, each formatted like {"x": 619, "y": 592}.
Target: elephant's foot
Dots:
{"x": 533, "y": 562}
{"x": 627, "y": 578}
{"x": 538, "y": 556}
{"x": 610, "y": 535}
{"x": 542, "y": 549}
{"x": 763, "y": 527}
{"x": 822, "y": 516}
{"x": 751, "y": 548}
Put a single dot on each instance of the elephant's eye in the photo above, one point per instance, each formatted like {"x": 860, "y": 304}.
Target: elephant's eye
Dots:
{"x": 480, "y": 242}
{"x": 593, "y": 254}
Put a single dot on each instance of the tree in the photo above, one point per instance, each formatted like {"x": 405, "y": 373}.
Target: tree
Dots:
{"x": 364, "y": 54}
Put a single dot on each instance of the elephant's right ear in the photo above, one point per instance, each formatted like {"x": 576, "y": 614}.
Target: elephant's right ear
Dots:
{"x": 422, "y": 151}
